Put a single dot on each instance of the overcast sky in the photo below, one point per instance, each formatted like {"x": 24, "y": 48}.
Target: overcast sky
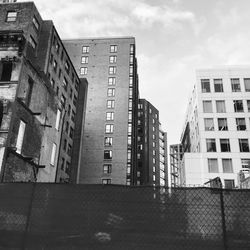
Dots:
{"x": 173, "y": 39}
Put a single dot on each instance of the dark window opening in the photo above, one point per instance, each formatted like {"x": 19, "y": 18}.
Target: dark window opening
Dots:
{"x": 29, "y": 91}
{"x": 1, "y": 113}
{"x": 6, "y": 71}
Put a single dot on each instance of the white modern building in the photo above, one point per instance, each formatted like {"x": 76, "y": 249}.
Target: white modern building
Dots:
{"x": 216, "y": 134}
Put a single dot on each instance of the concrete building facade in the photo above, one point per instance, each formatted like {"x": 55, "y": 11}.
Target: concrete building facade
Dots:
{"x": 152, "y": 147}
{"x": 216, "y": 136}
{"x": 109, "y": 151}
{"x": 38, "y": 83}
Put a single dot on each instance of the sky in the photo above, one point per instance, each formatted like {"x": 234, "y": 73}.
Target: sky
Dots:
{"x": 173, "y": 39}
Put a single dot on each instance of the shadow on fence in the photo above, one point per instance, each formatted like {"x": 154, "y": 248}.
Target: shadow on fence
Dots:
{"x": 61, "y": 216}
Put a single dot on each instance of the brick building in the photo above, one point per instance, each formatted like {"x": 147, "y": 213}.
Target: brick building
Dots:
{"x": 109, "y": 152}
{"x": 42, "y": 99}
{"x": 152, "y": 147}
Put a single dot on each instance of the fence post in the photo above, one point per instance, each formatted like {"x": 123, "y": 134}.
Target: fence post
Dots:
{"x": 28, "y": 217}
{"x": 223, "y": 221}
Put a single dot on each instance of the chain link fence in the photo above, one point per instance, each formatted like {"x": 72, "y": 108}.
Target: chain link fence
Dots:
{"x": 63, "y": 216}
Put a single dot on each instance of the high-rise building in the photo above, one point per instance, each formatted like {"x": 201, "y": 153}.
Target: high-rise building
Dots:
{"x": 175, "y": 155}
{"x": 216, "y": 136}
{"x": 152, "y": 147}
{"x": 40, "y": 96}
{"x": 109, "y": 151}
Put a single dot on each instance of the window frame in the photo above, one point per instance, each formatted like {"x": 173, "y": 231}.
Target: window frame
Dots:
{"x": 11, "y": 19}
{"x": 204, "y": 87}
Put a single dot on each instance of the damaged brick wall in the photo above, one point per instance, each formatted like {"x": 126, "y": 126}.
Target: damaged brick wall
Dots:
{"x": 18, "y": 169}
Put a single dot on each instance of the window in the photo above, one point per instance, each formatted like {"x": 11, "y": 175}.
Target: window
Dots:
{"x": 235, "y": 83}
{"x": 132, "y": 48}
{"x": 131, "y": 59}
{"x": 129, "y": 155}
{"x": 110, "y": 104}
{"x": 69, "y": 109}
{"x": 73, "y": 115}
{"x": 67, "y": 167}
{"x": 238, "y": 106}
{"x": 153, "y": 144}
{"x": 211, "y": 145}
{"x": 53, "y": 154}
{"x": 11, "y": 16}
{"x": 130, "y": 116}
{"x": 225, "y": 145}
{"x": 222, "y": 124}
{"x": 55, "y": 65}
{"x": 65, "y": 144}
{"x": 245, "y": 164}
{"x": 107, "y": 168}
{"x": 63, "y": 100}
{"x": 244, "y": 146}
{"x": 113, "y": 48}
{"x": 111, "y": 81}
{"x": 74, "y": 100}
{"x": 248, "y": 105}
{"x": 57, "y": 47}
{"x": 32, "y": 42}
{"x": 6, "y": 71}
{"x": 107, "y": 154}
{"x": 112, "y": 70}
{"x": 209, "y": 124}
{"x": 130, "y": 81}
{"x": 35, "y": 22}
{"x": 247, "y": 84}
{"x": 29, "y": 91}
{"x": 218, "y": 85}
{"x": 65, "y": 83}
{"x": 108, "y": 141}
{"x": 20, "y": 136}
{"x": 85, "y": 49}
{"x": 71, "y": 132}
{"x": 207, "y": 107}
{"x": 229, "y": 184}
{"x": 109, "y": 128}
{"x": 220, "y": 107}
{"x": 109, "y": 116}
{"x": 227, "y": 165}
{"x": 85, "y": 59}
{"x": 131, "y": 70}
{"x": 130, "y": 92}
{"x": 112, "y": 59}
{"x": 205, "y": 85}
{"x": 213, "y": 166}
{"x": 69, "y": 149}
{"x": 111, "y": 92}
{"x": 58, "y": 117}
{"x": 129, "y": 129}
{"x": 106, "y": 181}
{"x": 83, "y": 70}
{"x": 66, "y": 65}
{"x": 71, "y": 93}
{"x": 241, "y": 123}
{"x": 67, "y": 127}
{"x": 62, "y": 164}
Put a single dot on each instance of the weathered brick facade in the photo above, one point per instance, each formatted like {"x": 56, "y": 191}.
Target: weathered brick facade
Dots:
{"x": 38, "y": 98}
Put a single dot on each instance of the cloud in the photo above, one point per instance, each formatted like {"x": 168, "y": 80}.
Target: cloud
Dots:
{"x": 165, "y": 15}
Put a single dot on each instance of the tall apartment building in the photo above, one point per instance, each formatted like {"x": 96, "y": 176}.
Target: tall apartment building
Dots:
{"x": 39, "y": 99}
{"x": 109, "y": 151}
{"x": 216, "y": 134}
{"x": 152, "y": 147}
